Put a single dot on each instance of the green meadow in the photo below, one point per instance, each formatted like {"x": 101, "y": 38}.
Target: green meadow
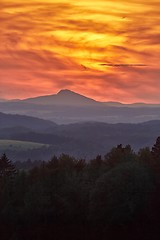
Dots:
{"x": 19, "y": 145}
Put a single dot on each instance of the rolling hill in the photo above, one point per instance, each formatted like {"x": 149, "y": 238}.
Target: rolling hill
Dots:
{"x": 13, "y": 121}
{"x": 84, "y": 140}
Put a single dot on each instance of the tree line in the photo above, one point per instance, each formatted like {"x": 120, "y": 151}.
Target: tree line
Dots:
{"x": 68, "y": 198}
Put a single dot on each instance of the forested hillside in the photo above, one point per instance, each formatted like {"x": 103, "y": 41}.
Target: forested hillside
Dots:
{"x": 110, "y": 197}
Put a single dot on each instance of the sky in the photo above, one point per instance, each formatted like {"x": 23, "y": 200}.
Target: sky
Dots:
{"x": 106, "y": 50}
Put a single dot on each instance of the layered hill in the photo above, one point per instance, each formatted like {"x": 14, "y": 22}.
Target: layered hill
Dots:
{"x": 84, "y": 140}
{"x": 67, "y": 107}
{"x": 20, "y": 121}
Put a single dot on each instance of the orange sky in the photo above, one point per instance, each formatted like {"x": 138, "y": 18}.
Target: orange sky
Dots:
{"x": 50, "y": 45}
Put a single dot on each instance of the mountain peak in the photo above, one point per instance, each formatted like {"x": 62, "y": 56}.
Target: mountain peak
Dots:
{"x": 65, "y": 92}
{"x": 63, "y": 97}
{"x": 74, "y": 98}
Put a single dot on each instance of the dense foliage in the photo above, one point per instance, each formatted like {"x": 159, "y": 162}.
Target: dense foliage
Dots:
{"x": 114, "y": 196}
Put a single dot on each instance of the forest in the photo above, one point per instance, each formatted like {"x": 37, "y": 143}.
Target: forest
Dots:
{"x": 109, "y": 197}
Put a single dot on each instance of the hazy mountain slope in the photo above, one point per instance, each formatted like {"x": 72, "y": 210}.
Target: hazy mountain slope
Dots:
{"x": 10, "y": 121}
{"x": 64, "y": 97}
{"x": 72, "y": 114}
{"x": 70, "y": 98}
{"x": 131, "y": 105}
{"x": 108, "y": 135}
{"x": 68, "y": 107}
{"x": 85, "y": 139}
{"x": 2, "y": 100}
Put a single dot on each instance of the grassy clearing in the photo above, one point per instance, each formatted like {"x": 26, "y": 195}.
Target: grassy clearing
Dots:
{"x": 19, "y": 145}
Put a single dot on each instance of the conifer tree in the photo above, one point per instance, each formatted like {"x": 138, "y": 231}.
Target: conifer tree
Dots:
{"x": 7, "y": 168}
{"x": 156, "y": 152}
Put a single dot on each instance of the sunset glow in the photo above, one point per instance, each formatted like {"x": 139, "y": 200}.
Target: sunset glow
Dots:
{"x": 106, "y": 50}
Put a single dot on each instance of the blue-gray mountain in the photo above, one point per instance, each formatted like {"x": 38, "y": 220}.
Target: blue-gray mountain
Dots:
{"x": 68, "y": 107}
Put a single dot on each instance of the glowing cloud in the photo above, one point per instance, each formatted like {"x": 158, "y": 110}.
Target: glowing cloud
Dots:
{"x": 107, "y": 50}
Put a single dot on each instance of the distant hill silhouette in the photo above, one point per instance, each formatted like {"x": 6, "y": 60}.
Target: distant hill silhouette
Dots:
{"x": 18, "y": 121}
{"x": 2, "y": 100}
{"x": 67, "y": 107}
{"x": 68, "y": 97}
{"x": 63, "y": 97}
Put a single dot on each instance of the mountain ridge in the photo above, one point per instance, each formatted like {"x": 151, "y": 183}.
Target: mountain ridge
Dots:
{"x": 63, "y": 97}
{"x": 16, "y": 120}
{"x": 80, "y": 139}
{"x": 69, "y": 107}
